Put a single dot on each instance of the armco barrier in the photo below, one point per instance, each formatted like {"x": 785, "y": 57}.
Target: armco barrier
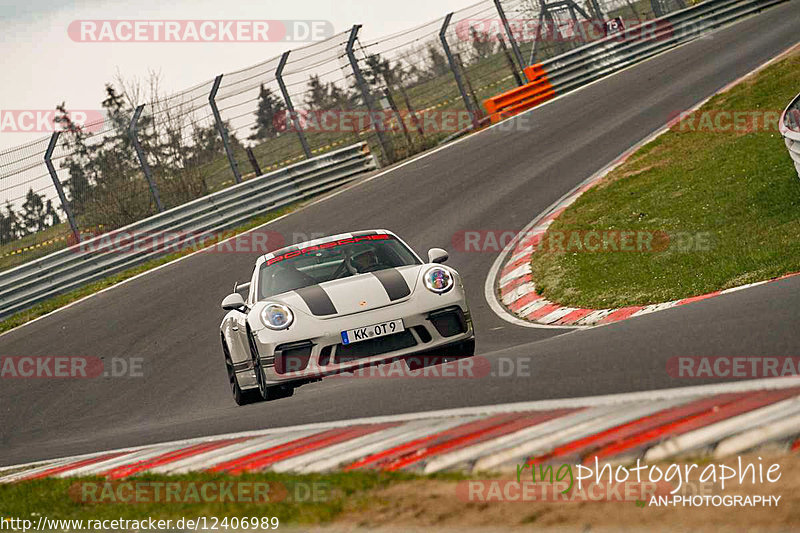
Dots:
{"x": 789, "y": 127}
{"x": 537, "y": 90}
{"x": 68, "y": 269}
{"x": 605, "y": 56}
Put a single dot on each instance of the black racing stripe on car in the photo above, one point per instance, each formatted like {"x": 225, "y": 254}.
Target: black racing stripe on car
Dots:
{"x": 393, "y": 282}
{"x": 317, "y": 300}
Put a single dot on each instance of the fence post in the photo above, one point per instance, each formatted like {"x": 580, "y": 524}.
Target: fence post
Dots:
{"x": 221, "y": 128}
{"x": 456, "y": 73}
{"x": 142, "y": 159}
{"x": 597, "y": 12}
{"x": 634, "y": 11}
{"x": 514, "y": 45}
{"x": 414, "y": 118}
{"x": 388, "y": 153}
{"x": 578, "y": 27}
{"x": 397, "y": 114}
{"x": 289, "y": 106}
{"x": 253, "y": 161}
{"x": 462, "y": 69}
{"x": 48, "y": 154}
{"x": 511, "y": 65}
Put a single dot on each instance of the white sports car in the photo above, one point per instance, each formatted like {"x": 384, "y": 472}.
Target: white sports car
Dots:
{"x": 337, "y": 304}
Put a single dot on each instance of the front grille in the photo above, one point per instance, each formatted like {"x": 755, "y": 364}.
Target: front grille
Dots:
{"x": 368, "y": 348}
{"x": 449, "y": 321}
{"x": 422, "y": 333}
{"x": 325, "y": 355}
{"x": 292, "y": 357}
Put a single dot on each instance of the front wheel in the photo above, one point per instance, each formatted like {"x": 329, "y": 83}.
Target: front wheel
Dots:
{"x": 269, "y": 392}
{"x": 239, "y": 396}
{"x": 463, "y": 349}
{"x": 266, "y": 392}
{"x": 452, "y": 352}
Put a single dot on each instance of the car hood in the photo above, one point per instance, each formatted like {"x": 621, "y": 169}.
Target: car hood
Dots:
{"x": 355, "y": 294}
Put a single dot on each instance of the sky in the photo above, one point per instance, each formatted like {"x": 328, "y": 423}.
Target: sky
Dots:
{"x": 43, "y": 66}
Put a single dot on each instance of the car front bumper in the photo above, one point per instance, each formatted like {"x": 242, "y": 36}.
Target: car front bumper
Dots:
{"x": 430, "y": 322}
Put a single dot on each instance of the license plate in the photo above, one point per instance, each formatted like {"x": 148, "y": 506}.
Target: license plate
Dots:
{"x": 371, "y": 332}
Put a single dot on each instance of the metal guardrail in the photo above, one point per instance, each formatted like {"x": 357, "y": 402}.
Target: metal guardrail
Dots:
{"x": 96, "y": 258}
{"x": 617, "y": 51}
{"x": 597, "y": 59}
{"x": 789, "y": 126}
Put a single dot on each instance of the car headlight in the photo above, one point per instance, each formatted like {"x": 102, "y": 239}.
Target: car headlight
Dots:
{"x": 438, "y": 280}
{"x": 277, "y": 316}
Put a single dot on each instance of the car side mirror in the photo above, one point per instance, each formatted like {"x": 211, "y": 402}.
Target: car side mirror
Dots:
{"x": 233, "y": 302}
{"x": 437, "y": 255}
{"x": 238, "y": 287}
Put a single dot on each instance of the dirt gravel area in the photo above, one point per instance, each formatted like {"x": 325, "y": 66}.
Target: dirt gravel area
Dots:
{"x": 434, "y": 505}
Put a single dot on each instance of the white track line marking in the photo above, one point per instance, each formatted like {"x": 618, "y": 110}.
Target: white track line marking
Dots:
{"x": 538, "y": 405}
{"x": 393, "y": 437}
{"x": 123, "y": 460}
{"x": 603, "y": 419}
{"x": 559, "y": 313}
{"x": 724, "y": 428}
{"x": 756, "y": 436}
{"x": 206, "y": 460}
{"x": 28, "y": 465}
{"x": 364, "y": 445}
{"x": 486, "y": 449}
{"x": 33, "y": 471}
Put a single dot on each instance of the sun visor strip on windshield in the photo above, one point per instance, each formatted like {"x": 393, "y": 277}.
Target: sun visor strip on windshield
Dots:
{"x": 393, "y": 282}
{"x": 317, "y": 300}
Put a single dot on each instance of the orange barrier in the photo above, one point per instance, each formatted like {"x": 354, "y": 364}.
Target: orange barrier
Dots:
{"x": 537, "y": 90}
{"x": 534, "y": 72}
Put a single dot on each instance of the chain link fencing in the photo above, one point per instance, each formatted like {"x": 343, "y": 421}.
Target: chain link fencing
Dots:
{"x": 401, "y": 93}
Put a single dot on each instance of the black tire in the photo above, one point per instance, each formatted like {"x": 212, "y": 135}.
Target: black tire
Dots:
{"x": 239, "y": 396}
{"x": 460, "y": 350}
{"x": 465, "y": 349}
{"x": 266, "y": 392}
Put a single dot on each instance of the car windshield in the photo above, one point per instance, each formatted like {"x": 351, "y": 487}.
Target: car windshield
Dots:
{"x": 298, "y": 268}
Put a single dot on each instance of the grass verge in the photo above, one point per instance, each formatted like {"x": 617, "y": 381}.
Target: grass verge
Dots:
{"x": 61, "y": 300}
{"x": 292, "y": 498}
{"x": 720, "y": 183}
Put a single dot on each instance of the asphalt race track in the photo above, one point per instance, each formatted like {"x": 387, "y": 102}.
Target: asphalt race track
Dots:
{"x": 497, "y": 180}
